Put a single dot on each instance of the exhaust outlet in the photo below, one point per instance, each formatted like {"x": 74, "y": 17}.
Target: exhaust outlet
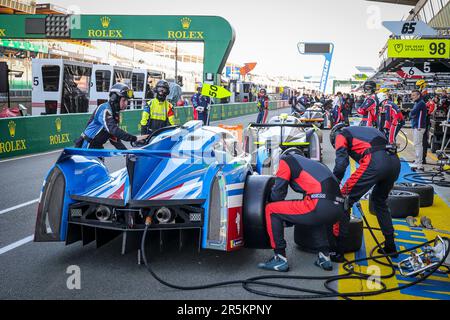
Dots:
{"x": 103, "y": 213}
{"x": 165, "y": 215}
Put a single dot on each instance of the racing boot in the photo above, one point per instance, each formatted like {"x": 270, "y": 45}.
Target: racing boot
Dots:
{"x": 324, "y": 262}
{"x": 389, "y": 247}
{"x": 337, "y": 257}
{"x": 276, "y": 263}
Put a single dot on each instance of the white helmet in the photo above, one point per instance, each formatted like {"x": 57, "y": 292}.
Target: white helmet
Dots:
{"x": 382, "y": 96}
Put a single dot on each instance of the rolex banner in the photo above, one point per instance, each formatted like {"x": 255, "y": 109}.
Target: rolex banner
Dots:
{"x": 25, "y": 135}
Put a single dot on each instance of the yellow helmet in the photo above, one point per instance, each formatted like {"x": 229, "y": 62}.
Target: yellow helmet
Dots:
{"x": 383, "y": 90}
{"x": 421, "y": 84}
{"x": 284, "y": 116}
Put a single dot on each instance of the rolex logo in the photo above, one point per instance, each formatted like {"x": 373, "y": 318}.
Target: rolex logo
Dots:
{"x": 12, "y": 128}
{"x": 105, "y": 21}
{"x": 185, "y": 23}
{"x": 58, "y": 124}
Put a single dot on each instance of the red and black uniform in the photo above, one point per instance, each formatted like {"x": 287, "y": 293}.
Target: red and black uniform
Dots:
{"x": 393, "y": 121}
{"x": 322, "y": 203}
{"x": 369, "y": 111}
{"x": 431, "y": 107}
{"x": 378, "y": 168}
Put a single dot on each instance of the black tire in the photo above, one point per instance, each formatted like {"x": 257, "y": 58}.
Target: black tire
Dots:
{"x": 401, "y": 203}
{"x": 311, "y": 239}
{"x": 425, "y": 191}
{"x": 256, "y": 193}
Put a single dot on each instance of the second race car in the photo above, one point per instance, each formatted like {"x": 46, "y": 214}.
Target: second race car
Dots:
{"x": 267, "y": 142}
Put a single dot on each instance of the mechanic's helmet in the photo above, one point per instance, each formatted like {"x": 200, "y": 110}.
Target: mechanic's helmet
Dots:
{"x": 293, "y": 151}
{"x": 383, "y": 95}
{"x": 421, "y": 84}
{"x": 162, "y": 90}
{"x": 337, "y": 129}
{"x": 370, "y": 86}
{"x": 284, "y": 116}
{"x": 119, "y": 90}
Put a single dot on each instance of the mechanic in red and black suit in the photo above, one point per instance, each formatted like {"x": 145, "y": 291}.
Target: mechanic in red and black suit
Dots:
{"x": 379, "y": 167}
{"x": 393, "y": 117}
{"x": 369, "y": 108}
{"x": 322, "y": 204}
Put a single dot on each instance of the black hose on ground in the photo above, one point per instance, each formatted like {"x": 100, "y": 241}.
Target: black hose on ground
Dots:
{"x": 437, "y": 178}
{"x": 311, "y": 294}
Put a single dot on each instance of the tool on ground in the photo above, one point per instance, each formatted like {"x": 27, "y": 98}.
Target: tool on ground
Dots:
{"x": 428, "y": 258}
{"x": 425, "y": 224}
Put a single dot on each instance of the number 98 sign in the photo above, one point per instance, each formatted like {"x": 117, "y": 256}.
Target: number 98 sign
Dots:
{"x": 422, "y": 48}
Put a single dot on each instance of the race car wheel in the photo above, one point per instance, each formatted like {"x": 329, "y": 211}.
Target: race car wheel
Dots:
{"x": 312, "y": 239}
{"x": 401, "y": 204}
{"x": 314, "y": 148}
{"x": 256, "y": 194}
{"x": 425, "y": 191}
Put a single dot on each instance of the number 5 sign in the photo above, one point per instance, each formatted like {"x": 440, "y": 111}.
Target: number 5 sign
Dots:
{"x": 215, "y": 91}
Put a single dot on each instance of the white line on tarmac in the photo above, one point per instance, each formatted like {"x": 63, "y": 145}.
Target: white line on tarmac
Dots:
{"x": 19, "y": 206}
{"x": 31, "y": 156}
{"x": 16, "y": 244}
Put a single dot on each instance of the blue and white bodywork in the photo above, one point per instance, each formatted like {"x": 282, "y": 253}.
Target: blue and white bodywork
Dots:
{"x": 186, "y": 177}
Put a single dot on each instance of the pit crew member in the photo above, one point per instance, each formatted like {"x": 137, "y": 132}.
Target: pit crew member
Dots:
{"x": 263, "y": 106}
{"x": 379, "y": 167}
{"x": 103, "y": 125}
{"x": 393, "y": 119}
{"x": 201, "y": 104}
{"x": 322, "y": 204}
{"x": 369, "y": 108}
{"x": 158, "y": 112}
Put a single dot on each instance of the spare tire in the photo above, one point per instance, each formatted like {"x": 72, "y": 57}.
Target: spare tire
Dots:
{"x": 256, "y": 193}
{"x": 312, "y": 239}
{"x": 401, "y": 203}
{"x": 425, "y": 191}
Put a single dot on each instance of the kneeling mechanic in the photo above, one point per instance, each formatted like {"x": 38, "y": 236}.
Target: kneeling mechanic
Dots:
{"x": 322, "y": 204}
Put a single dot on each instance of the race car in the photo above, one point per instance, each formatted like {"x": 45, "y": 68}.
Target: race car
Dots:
{"x": 182, "y": 177}
{"x": 267, "y": 142}
{"x": 315, "y": 115}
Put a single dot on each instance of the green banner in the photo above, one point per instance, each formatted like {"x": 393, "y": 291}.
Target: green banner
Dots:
{"x": 24, "y": 45}
{"x": 216, "y": 33}
{"x": 25, "y": 135}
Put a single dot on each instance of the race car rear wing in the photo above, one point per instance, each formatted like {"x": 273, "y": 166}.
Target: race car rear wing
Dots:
{"x": 282, "y": 143}
{"x": 107, "y": 153}
{"x": 272, "y": 125}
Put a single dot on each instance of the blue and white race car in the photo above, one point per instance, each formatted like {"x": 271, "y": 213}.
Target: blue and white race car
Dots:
{"x": 184, "y": 177}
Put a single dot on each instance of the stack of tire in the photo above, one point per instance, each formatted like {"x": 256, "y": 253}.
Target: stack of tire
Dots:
{"x": 406, "y": 199}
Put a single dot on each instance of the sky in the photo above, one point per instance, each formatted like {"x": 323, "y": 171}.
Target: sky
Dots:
{"x": 267, "y": 32}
